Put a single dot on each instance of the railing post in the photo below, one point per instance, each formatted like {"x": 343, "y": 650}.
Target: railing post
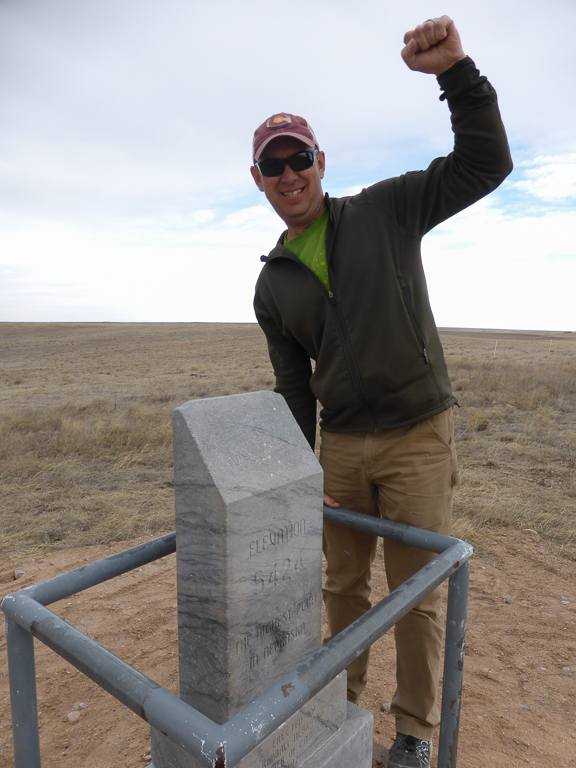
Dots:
{"x": 22, "y": 672}
{"x": 457, "y": 611}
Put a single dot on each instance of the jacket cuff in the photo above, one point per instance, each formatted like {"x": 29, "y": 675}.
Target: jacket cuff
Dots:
{"x": 460, "y": 79}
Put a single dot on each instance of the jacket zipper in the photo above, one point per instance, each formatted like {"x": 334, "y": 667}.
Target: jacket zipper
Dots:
{"x": 417, "y": 330}
{"x": 413, "y": 321}
{"x": 348, "y": 354}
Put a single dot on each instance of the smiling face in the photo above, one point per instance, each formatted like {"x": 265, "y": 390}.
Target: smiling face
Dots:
{"x": 296, "y": 197}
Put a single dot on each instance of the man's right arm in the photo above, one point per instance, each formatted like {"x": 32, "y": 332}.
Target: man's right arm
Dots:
{"x": 287, "y": 359}
{"x": 292, "y": 369}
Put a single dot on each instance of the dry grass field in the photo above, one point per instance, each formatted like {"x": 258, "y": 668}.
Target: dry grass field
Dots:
{"x": 85, "y": 430}
{"x": 86, "y": 461}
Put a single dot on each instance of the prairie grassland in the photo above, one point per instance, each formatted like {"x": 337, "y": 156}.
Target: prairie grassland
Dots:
{"x": 86, "y": 427}
{"x": 516, "y": 435}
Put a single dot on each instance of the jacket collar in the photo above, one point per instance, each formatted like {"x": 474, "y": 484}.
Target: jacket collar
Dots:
{"x": 334, "y": 206}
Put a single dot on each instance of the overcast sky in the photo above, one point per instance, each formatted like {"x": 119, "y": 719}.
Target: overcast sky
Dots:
{"x": 125, "y": 137}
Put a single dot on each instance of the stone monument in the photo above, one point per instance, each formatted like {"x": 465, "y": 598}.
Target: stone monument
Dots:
{"x": 249, "y": 561}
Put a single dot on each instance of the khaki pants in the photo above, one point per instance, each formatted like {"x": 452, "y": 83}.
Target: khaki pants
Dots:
{"x": 406, "y": 475}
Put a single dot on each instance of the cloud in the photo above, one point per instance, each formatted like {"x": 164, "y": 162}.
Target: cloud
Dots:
{"x": 162, "y": 270}
{"x": 125, "y": 129}
{"x": 550, "y": 178}
{"x": 487, "y": 267}
{"x": 114, "y": 108}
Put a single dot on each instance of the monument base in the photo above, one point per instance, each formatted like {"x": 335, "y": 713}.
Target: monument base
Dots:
{"x": 351, "y": 745}
{"x": 328, "y": 732}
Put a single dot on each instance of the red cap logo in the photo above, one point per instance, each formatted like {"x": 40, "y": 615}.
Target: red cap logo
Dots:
{"x": 278, "y": 121}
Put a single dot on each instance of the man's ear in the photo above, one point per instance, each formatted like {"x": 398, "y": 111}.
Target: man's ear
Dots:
{"x": 321, "y": 163}
{"x": 257, "y": 177}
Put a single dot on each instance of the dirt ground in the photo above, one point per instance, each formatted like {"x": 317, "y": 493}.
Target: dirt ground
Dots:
{"x": 519, "y": 703}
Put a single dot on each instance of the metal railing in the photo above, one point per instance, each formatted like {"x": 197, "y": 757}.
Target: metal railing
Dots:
{"x": 218, "y": 746}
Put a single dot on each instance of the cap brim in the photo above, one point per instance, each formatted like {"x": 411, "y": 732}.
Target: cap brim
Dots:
{"x": 304, "y": 139}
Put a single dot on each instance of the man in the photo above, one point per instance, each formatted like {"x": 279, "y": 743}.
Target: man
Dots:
{"x": 345, "y": 287}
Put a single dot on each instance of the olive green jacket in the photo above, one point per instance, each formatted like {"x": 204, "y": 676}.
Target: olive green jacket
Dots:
{"x": 379, "y": 362}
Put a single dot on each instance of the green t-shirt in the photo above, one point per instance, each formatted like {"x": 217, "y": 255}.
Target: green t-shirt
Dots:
{"x": 310, "y": 247}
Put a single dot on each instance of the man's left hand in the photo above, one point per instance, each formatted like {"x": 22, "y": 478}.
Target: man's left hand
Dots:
{"x": 329, "y": 501}
{"x": 433, "y": 47}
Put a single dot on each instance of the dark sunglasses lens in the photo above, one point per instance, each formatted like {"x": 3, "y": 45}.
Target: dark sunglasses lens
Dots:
{"x": 274, "y": 166}
{"x": 301, "y": 161}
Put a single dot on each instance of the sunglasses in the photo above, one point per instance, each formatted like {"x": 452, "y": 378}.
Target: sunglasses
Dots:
{"x": 300, "y": 161}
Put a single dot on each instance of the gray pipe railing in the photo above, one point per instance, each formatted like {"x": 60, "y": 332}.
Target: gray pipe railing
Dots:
{"x": 216, "y": 745}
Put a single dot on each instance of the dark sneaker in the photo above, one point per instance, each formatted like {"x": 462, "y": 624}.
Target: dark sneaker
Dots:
{"x": 409, "y": 752}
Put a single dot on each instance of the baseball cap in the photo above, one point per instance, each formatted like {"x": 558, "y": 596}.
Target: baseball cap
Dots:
{"x": 282, "y": 124}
